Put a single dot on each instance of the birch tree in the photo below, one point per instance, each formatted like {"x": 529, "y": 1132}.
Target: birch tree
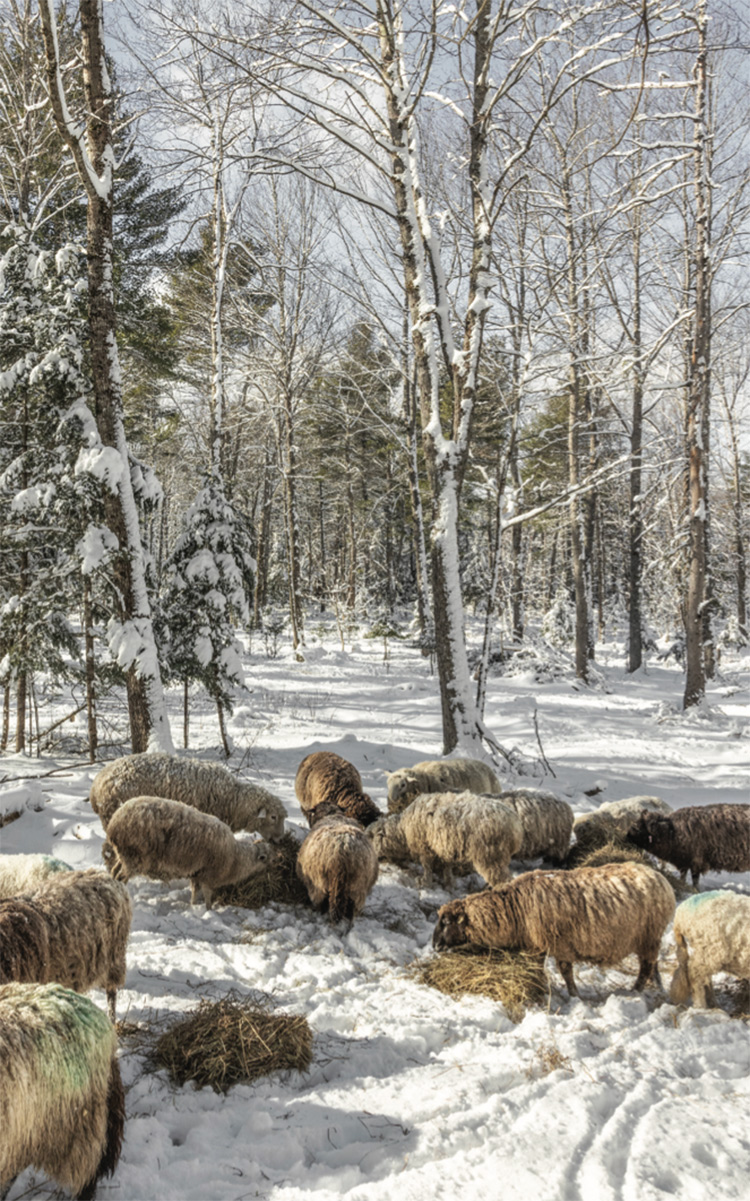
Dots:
{"x": 130, "y": 631}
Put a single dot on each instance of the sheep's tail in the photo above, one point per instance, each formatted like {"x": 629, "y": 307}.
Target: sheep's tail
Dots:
{"x": 340, "y": 903}
{"x": 113, "y": 1137}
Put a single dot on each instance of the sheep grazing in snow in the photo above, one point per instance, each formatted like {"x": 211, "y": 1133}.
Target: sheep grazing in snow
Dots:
{"x": 613, "y": 819}
{"x": 439, "y": 775}
{"x": 451, "y": 829}
{"x": 712, "y": 932}
{"x": 325, "y": 776}
{"x": 547, "y": 822}
{"x": 24, "y": 873}
{"x": 166, "y": 840}
{"x": 593, "y": 914}
{"x": 208, "y": 787}
{"x": 701, "y": 838}
{"x": 337, "y": 864}
{"x": 62, "y": 1106}
{"x": 72, "y": 931}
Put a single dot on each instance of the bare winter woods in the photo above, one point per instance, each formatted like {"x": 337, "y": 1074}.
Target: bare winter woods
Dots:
{"x": 382, "y": 314}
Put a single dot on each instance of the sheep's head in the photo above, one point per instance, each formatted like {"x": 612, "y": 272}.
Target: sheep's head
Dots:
{"x": 270, "y": 825}
{"x": 452, "y": 929}
{"x": 650, "y": 832}
{"x": 401, "y": 786}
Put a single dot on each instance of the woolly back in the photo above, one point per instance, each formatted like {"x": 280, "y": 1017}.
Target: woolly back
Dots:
{"x": 22, "y": 873}
{"x": 88, "y": 917}
{"x": 57, "y": 1060}
{"x": 461, "y": 825}
{"x": 24, "y": 943}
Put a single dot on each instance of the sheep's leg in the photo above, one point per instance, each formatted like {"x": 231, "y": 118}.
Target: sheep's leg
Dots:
{"x": 566, "y": 971}
{"x": 711, "y": 995}
{"x": 111, "y": 1002}
{"x": 207, "y": 895}
{"x": 695, "y": 876}
{"x": 648, "y": 969}
{"x": 194, "y": 887}
{"x": 700, "y": 991}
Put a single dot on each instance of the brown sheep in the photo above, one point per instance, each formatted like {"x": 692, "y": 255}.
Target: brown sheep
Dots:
{"x": 325, "y": 776}
{"x": 592, "y": 914}
{"x": 87, "y": 918}
{"x": 337, "y": 865}
{"x": 701, "y": 838}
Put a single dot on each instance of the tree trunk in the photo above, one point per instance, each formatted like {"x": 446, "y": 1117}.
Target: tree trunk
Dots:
{"x": 21, "y": 712}
{"x": 88, "y": 642}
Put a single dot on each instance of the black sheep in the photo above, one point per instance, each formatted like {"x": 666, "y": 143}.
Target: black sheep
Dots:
{"x": 700, "y": 837}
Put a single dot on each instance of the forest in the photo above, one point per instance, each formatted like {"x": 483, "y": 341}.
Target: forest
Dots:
{"x": 379, "y": 314}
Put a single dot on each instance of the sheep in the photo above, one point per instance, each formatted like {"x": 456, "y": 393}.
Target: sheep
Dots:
{"x": 166, "y": 840}
{"x": 612, "y": 820}
{"x": 547, "y": 822}
{"x": 593, "y": 914}
{"x": 208, "y": 787}
{"x": 712, "y": 932}
{"x": 453, "y": 829}
{"x": 86, "y": 922}
{"x": 337, "y": 865}
{"x": 22, "y": 873}
{"x": 325, "y": 776}
{"x": 439, "y": 775}
{"x": 62, "y": 1106}
{"x": 701, "y": 838}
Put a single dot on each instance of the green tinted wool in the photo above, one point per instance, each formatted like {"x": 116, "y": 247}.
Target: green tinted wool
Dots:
{"x": 82, "y": 1028}
{"x": 56, "y": 865}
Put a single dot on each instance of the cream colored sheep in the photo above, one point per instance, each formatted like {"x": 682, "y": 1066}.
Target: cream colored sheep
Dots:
{"x": 712, "y": 932}
{"x": 439, "y": 775}
{"x": 612, "y": 820}
{"x": 24, "y": 873}
{"x": 166, "y": 840}
{"x": 338, "y": 866}
{"x": 62, "y": 1105}
{"x": 547, "y": 822}
{"x": 86, "y": 918}
{"x": 208, "y": 787}
{"x": 592, "y": 914}
{"x": 452, "y": 829}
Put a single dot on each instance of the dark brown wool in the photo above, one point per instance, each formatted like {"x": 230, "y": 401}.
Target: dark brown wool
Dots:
{"x": 698, "y": 839}
{"x": 325, "y": 776}
{"x": 24, "y": 943}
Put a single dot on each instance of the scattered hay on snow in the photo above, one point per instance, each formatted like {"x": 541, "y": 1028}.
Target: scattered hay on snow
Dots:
{"x": 277, "y": 881}
{"x": 515, "y": 978}
{"x": 232, "y": 1041}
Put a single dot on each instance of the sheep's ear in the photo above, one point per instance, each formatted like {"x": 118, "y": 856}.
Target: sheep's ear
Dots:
{"x": 462, "y": 919}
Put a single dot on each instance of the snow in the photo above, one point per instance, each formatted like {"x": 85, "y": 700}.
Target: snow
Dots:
{"x": 613, "y": 1096}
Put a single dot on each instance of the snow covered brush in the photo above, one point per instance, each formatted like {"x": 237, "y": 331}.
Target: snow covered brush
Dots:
{"x": 439, "y": 775}
{"x": 712, "y": 932}
{"x": 324, "y": 776}
{"x": 593, "y": 914}
{"x": 62, "y": 1106}
{"x": 73, "y": 931}
{"x": 24, "y": 873}
{"x": 208, "y": 787}
{"x": 701, "y": 838}
{"x": 337, "y": 864}
{"x": 451, "y": 831}
{"x": 166, "y": 840}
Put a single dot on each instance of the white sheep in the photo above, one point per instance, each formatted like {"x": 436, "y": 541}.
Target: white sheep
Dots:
{"x": 24, "y": 873}
{"x": 613, "y": 819}
{"x": 73, "y": 930}
{"x": 451, "y": 829}
{"x": 62, "y": 1105}
{"x": 592, "y": 914}
{"x": 337, "y": 865}
{"x": 547, "y": 822}
{"x": 712, "y": 932}
{"x": 208, "y": 787}
{"x": 166, "y": 840}
{"x": 439, "y": 775}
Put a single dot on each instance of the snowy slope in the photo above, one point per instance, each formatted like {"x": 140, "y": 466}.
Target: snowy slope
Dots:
{"x": 610, "y": 1096}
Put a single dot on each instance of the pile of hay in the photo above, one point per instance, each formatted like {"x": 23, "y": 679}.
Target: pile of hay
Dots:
{"x": 618, "y": 851}
{"x": 277, "y": 882}
{"x": 232, "y": 1041}
{"x": 516, "y": 979}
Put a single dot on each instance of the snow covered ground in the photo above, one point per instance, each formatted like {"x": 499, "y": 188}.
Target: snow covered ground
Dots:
{"x": 611, "y": 1097}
